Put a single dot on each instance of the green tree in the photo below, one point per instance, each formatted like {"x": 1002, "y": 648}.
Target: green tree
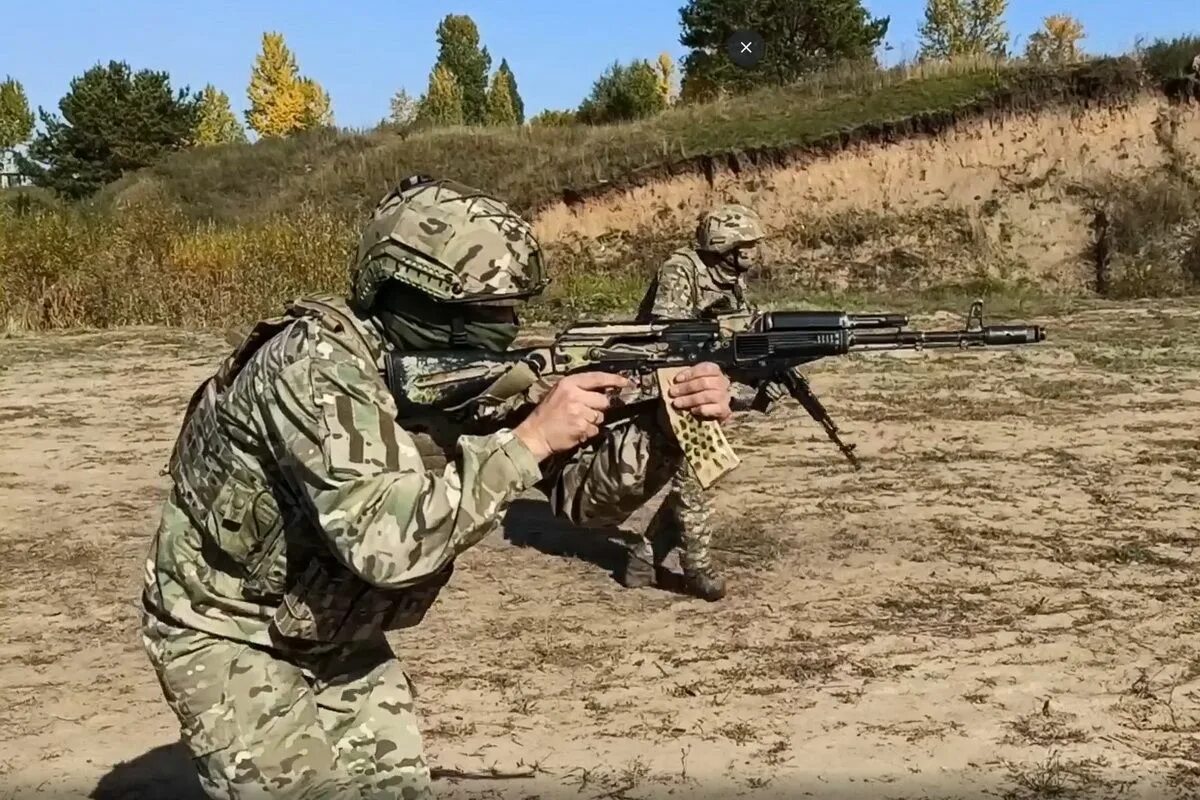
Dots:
{"x": 16, "y": 119}
{"x": 518, "y": 103}
{"x": 500, "y": 110}
{"x": 964, "y": 27}
{"x": 442, "y": 104}
{"x": 623, "y": 93}
{"x": 460, "y": 53}
{"x": 113, "y": 121}
{"x": 217, "y": 123}
{"x": 802, "y": 36}
{"x": 551, "y": 118}
{"x": 1057, "y": 42}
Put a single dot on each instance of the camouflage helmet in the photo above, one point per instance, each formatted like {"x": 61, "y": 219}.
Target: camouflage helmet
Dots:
{"x": 450, "y": 242}
{"x": 727, "y": 228}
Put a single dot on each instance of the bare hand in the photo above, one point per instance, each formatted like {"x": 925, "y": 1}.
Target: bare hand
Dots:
{"x": 702, "y": 391}
{"x": 570, "y": 413}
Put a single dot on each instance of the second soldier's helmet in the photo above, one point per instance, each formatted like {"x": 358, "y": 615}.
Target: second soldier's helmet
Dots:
{"x": 724, "y": 229}
{"x": 450, "y": 242}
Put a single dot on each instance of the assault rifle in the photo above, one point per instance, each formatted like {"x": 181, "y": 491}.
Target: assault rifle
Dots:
{"x": 751, "y": 349}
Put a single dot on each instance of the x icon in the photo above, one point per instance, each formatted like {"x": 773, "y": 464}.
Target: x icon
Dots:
{"x": 745, "y": 47}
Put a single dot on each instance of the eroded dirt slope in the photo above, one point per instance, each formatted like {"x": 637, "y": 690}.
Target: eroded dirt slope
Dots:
{"x": 1002, "y": 601}
{"x": 1011, "y": 197}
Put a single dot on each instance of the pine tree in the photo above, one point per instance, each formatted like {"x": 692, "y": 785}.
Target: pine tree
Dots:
{"x": 442, "y": 104}
{"x": 281, "y": 100}
{"x": 803, "y": 36}
{"x": 500, "y": 110}
{"x": 217, "y": 123}
{"x": 114, "y": 120}
{"x": 16, "y": 118}
{"x": 460, "y": 53}
{"x": 623, "y": 93}
{"x": 517, "y": 102}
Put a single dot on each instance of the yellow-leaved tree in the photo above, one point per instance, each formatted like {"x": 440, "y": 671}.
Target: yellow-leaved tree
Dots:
{"x": 666, "y": 73}
{"x": 442, "y": 104}
{"x": 1057, "y": 42}
{"x": 500, "y": 108}
{"x": 282, "y": 101}
{"x": 216, "y": 123}
{"x": 318, "y": 110}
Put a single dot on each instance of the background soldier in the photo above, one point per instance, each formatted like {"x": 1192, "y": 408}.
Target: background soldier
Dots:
{"x": 304, "y": 521}
{"x": 697, "y": 283}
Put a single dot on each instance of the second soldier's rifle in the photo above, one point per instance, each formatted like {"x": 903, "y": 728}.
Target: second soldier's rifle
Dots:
{"x": 749, "y": 349}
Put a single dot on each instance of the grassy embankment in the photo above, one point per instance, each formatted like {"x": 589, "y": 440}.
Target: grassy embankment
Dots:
{"x": 217, "y": 236}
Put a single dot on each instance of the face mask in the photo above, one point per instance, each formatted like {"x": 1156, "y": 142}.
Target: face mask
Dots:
{"x": 417, "y": 324}
{"x": 413, "y": 333}
{"x": 744, "y": 259}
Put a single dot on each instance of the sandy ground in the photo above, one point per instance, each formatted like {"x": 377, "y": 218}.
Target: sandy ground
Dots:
{"x": 1002, "y": 603}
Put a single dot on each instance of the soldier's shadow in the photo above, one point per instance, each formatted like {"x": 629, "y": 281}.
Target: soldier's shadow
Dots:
{"x": 164, "y": 773}
{"x": 530, "y": 523}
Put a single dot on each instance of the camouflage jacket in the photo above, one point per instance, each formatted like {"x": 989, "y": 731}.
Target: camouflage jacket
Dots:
{"x": 686, "y": 288}
{"x": 302, "y": 512}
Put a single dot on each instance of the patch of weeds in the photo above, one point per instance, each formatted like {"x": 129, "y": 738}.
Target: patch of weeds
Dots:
{"x": 917, "y": 730}
{"x": 774, "y": 755}
{"x": 450, "y": 730}
{"x": 1054, "y": 778}
{"x": 1132, "y": 552}
{"x": 739, "y": 732}
{"x": 1044, "y": 727}
{"x": 803, "y": 667}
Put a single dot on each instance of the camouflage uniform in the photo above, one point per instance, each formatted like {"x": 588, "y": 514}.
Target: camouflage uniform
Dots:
{"x": 695, "y": 284}
{"x": 304, "y": 521}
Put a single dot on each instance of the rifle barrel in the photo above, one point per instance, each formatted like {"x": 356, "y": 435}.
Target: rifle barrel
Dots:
{"x": 989, "y": 336}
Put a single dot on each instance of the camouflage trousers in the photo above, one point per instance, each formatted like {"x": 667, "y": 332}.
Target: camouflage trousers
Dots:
{"x": 683, "y": 521}
{"x": 259, "y": 725}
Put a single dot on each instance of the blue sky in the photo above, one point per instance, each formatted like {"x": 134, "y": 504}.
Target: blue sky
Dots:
{"x": 362, "y": 52}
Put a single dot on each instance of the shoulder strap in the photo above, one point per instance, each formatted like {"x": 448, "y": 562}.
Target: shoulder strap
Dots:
{"x": 697, "y": 265}
{"x": 259, "y": 334}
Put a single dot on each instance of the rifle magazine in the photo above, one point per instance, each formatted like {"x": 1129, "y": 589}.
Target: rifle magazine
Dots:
{"x": 703, "y": 442}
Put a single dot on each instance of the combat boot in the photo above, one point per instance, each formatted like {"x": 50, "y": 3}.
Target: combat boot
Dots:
{"x": 704, "y": 585}
{"x": 639, "y": 567}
